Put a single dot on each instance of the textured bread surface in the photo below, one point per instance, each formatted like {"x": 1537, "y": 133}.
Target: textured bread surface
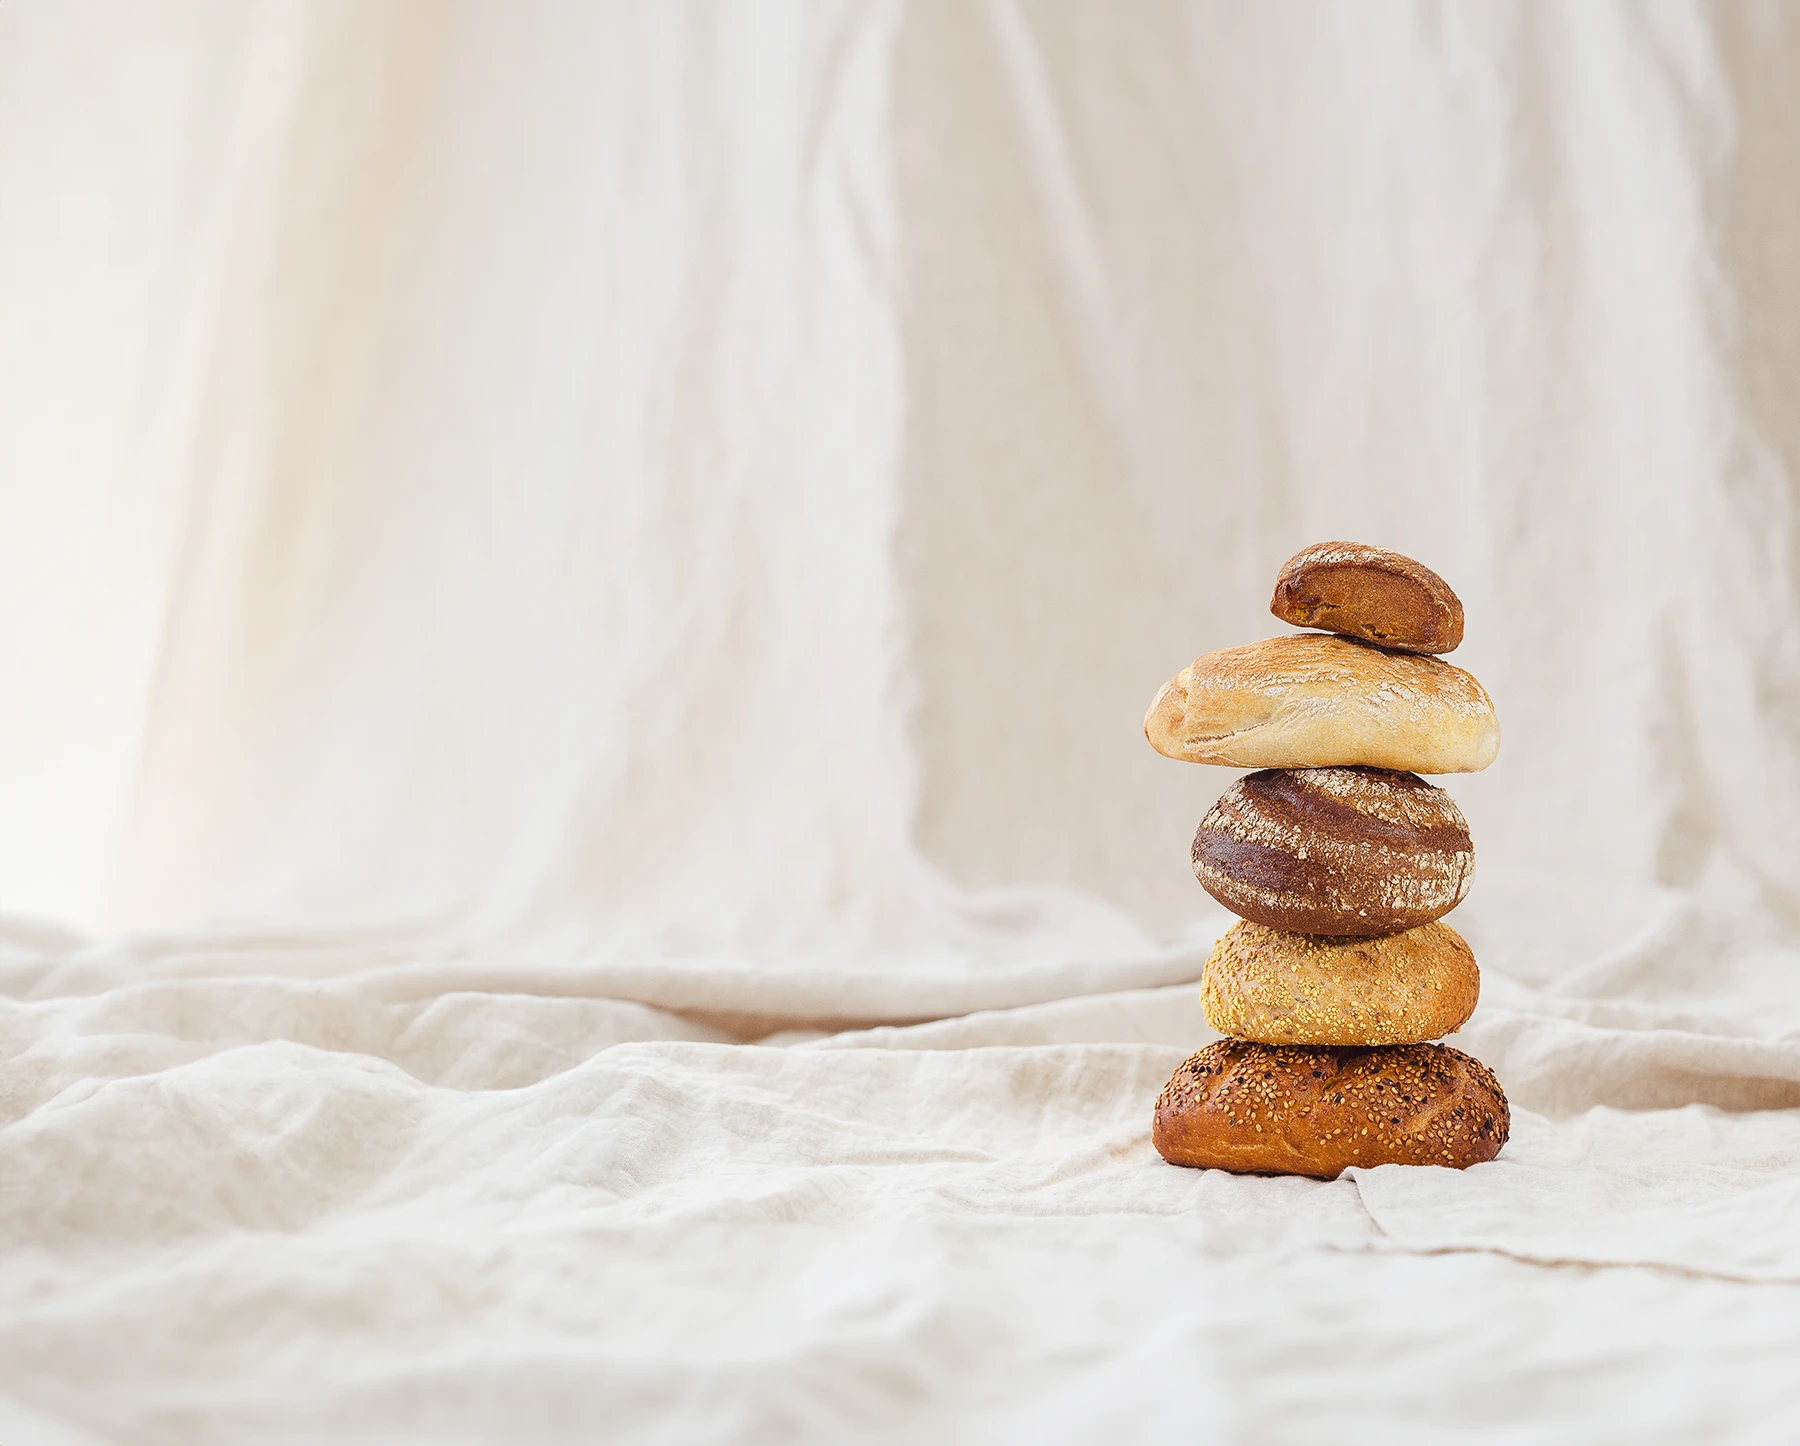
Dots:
{"x": 1368, "y": 592}
{"x": 1316, "y": 1110}
{"x": 1311, "y": 700}
{"x": 1341, "y": 851}
{"x": 1283, "y": 988}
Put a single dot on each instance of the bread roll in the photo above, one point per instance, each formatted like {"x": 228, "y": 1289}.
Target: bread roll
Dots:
{"x": 1344, "y": 851}
{"x": 1369, "y": 593}
{"x": 1299, "y": 1110}
{"x": 1281, "y": 988}
{"x": 1312, "y": 700}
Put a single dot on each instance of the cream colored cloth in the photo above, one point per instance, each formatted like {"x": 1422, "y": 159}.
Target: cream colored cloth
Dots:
{"x": 577, "y": 587}
{"x": 252, "y": 1197}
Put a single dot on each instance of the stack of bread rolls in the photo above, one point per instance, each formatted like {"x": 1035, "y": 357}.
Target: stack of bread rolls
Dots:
{"x": 1339, "y": 860}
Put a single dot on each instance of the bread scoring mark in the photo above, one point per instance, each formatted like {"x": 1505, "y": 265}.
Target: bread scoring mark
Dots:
{"x": 1374, "y": 803}
{"x": 1341, "y": 554}
{"x": 1275, "y": 666}
{"x": 1201, "y": 742}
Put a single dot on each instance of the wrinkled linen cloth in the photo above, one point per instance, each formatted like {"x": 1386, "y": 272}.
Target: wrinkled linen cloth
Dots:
{"x": 257, "y": 1194}
{"x": 577, "y": 586}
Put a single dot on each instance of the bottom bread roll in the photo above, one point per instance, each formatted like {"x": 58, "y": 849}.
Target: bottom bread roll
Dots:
{"x": 1267, "y": 1109}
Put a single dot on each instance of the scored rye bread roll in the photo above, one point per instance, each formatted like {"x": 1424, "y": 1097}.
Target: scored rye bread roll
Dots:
{"x": 1368, "y": 592}
{"x": 1284, "y": 988}
{"x": 1305, "y": 1110}
{"x": 1343, "y": 851}
{"x": 1311, "y": 700}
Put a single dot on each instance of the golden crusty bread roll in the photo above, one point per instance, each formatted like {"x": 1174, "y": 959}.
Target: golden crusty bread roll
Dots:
{"x": 1368, "y": 592}
{"x": 1341, "y": 851}
{"x": 1283, "y": 988}
{"x": 1312, "y": 700}
{"x": 1299, "y": 1110}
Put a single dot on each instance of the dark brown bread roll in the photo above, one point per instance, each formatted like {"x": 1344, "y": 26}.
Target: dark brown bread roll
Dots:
{"x": 1282, "y": 988}
{"x": 1344, "y": 851}
{"x": 1369, "y": 593}
{"x": 1298, "y": 1110}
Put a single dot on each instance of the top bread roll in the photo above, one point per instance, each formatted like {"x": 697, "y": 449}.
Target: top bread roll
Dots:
{"x": 1312, "y": 700}
{"x": 1382, "y": 597}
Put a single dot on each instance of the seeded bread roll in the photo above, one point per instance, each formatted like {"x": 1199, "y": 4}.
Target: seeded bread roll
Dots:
{"x": 1343, "y": 851}
{"x": 1281, "y": 988}
{"x": 1296, "y": 1110}
{"x": 1311, "y": 700}
{"x": 1369, "y": 593}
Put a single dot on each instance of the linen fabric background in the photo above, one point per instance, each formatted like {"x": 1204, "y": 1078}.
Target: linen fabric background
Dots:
{"x": 577, "y": 589}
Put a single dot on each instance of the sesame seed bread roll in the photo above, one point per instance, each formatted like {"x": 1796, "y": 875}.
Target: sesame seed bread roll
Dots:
{"x": 1369, "y": 593}
{"x": 1298, "y": 1110}
{"x": 1340, "y": 851}
{"x": 1313, "y": 700}
{"x": 1282, "y": 988}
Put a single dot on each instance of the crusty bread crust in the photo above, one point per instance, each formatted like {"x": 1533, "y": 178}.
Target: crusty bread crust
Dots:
{"x": 1285, "y": 988}
{"x": 1311, "y": 700}
{"x": 1368, "y": 592}
{"x": 1294, "y": 1110}
{"x": 1340, "y": 851}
